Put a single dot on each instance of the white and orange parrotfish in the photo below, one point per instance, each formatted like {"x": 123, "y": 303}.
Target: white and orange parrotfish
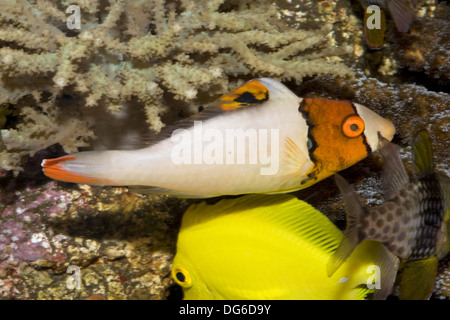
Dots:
{"x": 260, "y": 138}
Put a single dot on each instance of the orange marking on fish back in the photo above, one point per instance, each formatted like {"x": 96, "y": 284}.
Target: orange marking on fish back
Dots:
{"x": 248, "y": 94}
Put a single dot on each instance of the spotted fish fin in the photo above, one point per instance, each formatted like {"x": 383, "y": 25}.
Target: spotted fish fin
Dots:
{"x": 354, "y": 210}
{"x": 402, "y": 13}
{"x": 417, "y": 279}
{"x": 388, "y": 264}
{"x": 395, "y": 175}
{"x": 422, "y": 154}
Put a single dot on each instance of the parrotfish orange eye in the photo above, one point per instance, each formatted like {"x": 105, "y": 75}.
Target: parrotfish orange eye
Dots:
{"x": 353, "y": 126}
{"x": 182, "y": 277}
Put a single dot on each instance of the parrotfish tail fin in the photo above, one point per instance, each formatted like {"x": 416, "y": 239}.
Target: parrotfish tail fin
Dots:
{"x": 388, "y": 264}
{"x": 402, "y": 13}
{"x": 422, "y": 154}
{"x": 82, "y": 167}
{"x": 417, "y": 279}
{"x": 395, "y": 175}
{"x": 351, "y": 237}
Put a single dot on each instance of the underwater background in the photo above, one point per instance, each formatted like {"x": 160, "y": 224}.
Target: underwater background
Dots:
{"x": 139, "y": 65}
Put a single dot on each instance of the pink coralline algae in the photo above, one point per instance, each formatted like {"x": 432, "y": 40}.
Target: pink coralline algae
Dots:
{"x": 24, "y": 233}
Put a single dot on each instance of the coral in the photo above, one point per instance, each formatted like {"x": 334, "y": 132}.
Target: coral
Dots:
{"x": 155, "y": 56}
{"x": 442, "y": 287}
{"x": 121, "y": 242}
{"x": 425, "y": 48}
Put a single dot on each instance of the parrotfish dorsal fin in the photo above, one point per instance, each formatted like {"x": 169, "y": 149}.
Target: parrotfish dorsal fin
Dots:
{"x": 422, "y": 154}
{"x": 395, "y": 175}
{"x": 417, "y": 279}
{"x": 354, "y": 210}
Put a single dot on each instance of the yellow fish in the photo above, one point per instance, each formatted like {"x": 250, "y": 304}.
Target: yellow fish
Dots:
{"x": 272, "y": 247}
{"x": 260, "y": 138}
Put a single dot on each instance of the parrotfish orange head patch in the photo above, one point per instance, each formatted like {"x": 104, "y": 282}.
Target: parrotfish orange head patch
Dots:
{"x": 248, "y": 94}
{"x": 335, "y": 133}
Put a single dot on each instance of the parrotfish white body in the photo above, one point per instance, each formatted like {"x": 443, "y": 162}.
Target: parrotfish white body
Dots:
{"x": 260, "y": 138}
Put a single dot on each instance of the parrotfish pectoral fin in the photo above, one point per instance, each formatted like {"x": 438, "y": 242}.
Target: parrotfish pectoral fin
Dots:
{"x": 67, "y": 169}
{"x": 351, "y": 239}
{"x": 402, "y": 13}
{"x": 395, "y": 175}
{"x": 422, "y": 154}
{"x": 417, "y": 279}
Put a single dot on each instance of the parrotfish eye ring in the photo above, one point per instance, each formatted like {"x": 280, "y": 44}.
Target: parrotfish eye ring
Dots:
{"x": 182, "y": 277}
{"x": 353, "y": 126}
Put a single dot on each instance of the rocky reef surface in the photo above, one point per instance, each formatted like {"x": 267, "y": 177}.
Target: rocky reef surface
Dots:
{"x": 91, "y": 88}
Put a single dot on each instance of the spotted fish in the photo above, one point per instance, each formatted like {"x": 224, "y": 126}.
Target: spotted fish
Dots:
{"x": 414, "y": 223}
{"x": 260, "y": 138}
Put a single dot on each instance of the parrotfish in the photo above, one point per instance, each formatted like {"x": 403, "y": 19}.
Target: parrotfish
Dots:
{"x": 260, "y": 138}
{"x": 272, "y": 247}
{"x": 414, "y": 223}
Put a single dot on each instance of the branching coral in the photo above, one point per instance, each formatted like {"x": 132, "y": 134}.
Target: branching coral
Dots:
{"x": 148, "y": 53}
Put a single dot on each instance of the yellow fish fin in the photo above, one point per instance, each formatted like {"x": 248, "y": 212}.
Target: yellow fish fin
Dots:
{"x": 395, "y": 175}
{"x": 351, "y": 238}
{"x": 284, "y": 211}
{"x": 417, "y": 279}
{"x": 422, "y": 154}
